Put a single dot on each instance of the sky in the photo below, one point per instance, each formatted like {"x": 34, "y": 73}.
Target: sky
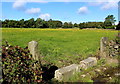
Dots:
{"x": 64, "y": 10}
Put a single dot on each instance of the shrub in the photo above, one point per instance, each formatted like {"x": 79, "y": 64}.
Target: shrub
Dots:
{"x": 110, "y": 27}
{"x": 18, "y": 65}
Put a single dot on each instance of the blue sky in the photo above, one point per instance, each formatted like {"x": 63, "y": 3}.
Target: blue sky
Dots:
{"x": 75, "y": 12}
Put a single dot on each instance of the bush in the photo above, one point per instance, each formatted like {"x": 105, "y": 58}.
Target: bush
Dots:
{"x": 18, "y": 65}
{"x": 110, "y": 27}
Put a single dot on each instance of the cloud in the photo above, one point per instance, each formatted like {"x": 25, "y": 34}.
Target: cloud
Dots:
{"x": 19, "y": 4}
{"x": 109, "y": 5}
{"x": 105, "y": 4}
{"x": 45, "y": 16}
{"x": 33, "y": 11}
{"x": 83, "y": 10}
{"x": 95, "y": 3}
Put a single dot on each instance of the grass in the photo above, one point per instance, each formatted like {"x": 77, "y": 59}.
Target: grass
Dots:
{"x": 59, "y": 46}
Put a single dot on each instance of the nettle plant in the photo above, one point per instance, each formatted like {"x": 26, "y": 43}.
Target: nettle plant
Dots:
{"x": 18, "y": 65}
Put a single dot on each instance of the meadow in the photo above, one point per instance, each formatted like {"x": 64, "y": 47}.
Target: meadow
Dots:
{"x": 59, "y": 46}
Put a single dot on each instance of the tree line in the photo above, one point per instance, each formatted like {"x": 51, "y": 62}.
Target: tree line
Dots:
{"x": 109, "y": 23}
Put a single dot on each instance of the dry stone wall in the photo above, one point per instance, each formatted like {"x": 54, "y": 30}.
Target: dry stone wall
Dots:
{"x": 108, "y": 48}
{"x": 90, "y": 61}
{"x": 113, "y": 48}
{"x": 65, "y": 73}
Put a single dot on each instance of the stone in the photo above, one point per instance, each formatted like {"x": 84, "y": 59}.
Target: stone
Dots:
{"x": 105, "y": 68}
{"x": 88, "y": 74}
{"x": 64, "y": 73}
{"x": 33, "y": 48}
{"x": 117, "y": 74}
{"x": 111, "y": 55}
{"x": 108, "y": 75}
{"x": 116, "y": 46}
{"x": 105, "y": 40}
{"x": 83, "y": 75}
{"x": 90, "y": 61}
{"x": 98, "y": 70}
{"x": 110, "y": 78}
{"x": 103, "y": 43}
{"x": 112, "y": 42}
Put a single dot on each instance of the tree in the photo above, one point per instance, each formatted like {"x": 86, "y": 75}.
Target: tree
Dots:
{"x": 54, "y": 23}
{"x": 58, "y": 24}
{"x": 31, "y": 23}
{"x": 21, "y": 22}
{"x": 118, "y": 26}
{"x": 38, "y": 23}
{"x": 109, "y": 21}
{"x": 65, "y": 25}
{"x": 75, "y": 25}
{"x": 70, "y": 25}
{"x": 50, "y": 23}
{"x": 45, "y": 24}
{"x": 6, "y": 23}
{"x": 82, "y": 25}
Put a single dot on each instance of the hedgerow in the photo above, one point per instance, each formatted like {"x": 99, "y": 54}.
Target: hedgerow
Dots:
{"x": 18, "y": 65}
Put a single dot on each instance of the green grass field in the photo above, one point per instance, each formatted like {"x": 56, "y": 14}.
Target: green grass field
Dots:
{"x": 59, "y": 46}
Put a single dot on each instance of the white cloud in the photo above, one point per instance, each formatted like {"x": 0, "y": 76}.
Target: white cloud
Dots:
{"x": 45, "y": 16}
{"x": 105, "y": 4}
{"x": 19, "y": 4}
{"x": 109, "y": 5}
{"x": 83, "y": 10}
{"x": 95, "y": 3}
{"x": 33, "y": 11}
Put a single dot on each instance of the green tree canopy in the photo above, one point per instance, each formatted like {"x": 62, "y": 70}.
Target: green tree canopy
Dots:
{"x": 75, "y": 25}
{"x": 65, "y": 25}
{"x": 70, "y": 25}
{"x": 38, "y": 23}
{"x": 109, "y": 21}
